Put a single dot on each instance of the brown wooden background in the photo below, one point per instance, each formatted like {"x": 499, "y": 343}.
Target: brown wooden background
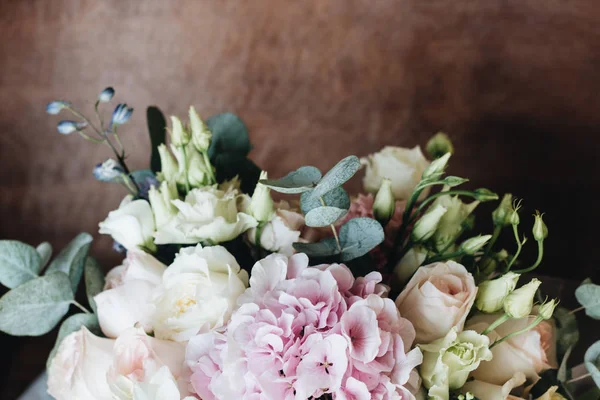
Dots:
{"x": 514, "y": 82}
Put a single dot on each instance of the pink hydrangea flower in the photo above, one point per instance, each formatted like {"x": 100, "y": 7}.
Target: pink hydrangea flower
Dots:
{"x": 302, "y": 333}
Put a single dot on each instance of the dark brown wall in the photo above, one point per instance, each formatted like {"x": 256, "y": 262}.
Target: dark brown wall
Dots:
{"x": 514, "y": 82}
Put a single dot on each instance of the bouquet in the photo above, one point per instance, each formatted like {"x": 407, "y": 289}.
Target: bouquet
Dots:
{"x": 228, "y": 291}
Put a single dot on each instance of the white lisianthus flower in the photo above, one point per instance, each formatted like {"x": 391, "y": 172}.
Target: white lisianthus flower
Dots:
{"x": 282, "y": 231}
{"x": 132, "y": 224}
{"x": 207, "y": 214}
{"x": 199, "y": 290}
{"x": 402, "y": 166}
{"x": 127, "y": 296}
{"x": 448, "y": 361}
{"x": 78, "y": 370}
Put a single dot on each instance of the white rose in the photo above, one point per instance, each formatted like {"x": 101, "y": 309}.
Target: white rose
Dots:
{"x": 436, "y": 299}
{"x": 283, "y": 230}
{"x": 145, "y": 368}
{"x": 78, "y": 370}
{"x": 132, "y": 224}
{"x": 207, "y": 214}
{"x": 530, "y": 353}
{"x": 400, "y": 165}
{"x": 129, "y": 289}
{"x": 198, "y": 290}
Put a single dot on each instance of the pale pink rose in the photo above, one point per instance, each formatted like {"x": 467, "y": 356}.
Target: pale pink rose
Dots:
{"x": 127, "y": 298}
{"x": 140, "y": 360}
{"x": 436, "y": 299}
{"x": 78, "y": 370}
{"x": 489, "y": 391}
{"x": 529, "y": 353}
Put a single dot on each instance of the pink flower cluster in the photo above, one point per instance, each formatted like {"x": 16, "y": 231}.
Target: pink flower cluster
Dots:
{"x": 302, "y": 333}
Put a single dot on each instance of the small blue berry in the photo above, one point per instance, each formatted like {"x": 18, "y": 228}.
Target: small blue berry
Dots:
{"x": 106, "y": 95}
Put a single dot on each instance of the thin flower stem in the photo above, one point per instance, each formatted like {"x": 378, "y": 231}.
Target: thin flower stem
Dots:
{"x": 576, "y": 310}
{"x": 503, "y": 318}
{"x": 537, "y": 262}
{"x": 492, "y": 242}
{"x": 579, "y": 378}
{"x": 513, "y": 334}
{"x": 519, "y": 247}
{"x": 82, "y": 308}
{"x": 333, "y": 230}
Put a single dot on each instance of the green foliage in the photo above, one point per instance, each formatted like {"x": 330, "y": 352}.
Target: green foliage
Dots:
{"x": 359, "y": 236}
{"x": 337, "y": 197}
{"x": 157, "y": 129}
{"x": 588, "y": 294}
{"x": 337, "y": 176}
{"x": 94, "y": 280}
{"x": 72, "y": 259}
{"x": 298, "y": 181}
{"x": 325, "y": 248}
{"x": 323, "y": 216}
{"x": 567, "y": 331}
{"x": 35, "y": 307}
{"x": 44, "y": 249}
{"x": 19, "y": 263}
{"x": 229, "y": 165}
{"x": 592, "y": 361}
{"x": 548, "y": 379}
{"x": 73, "y": 324}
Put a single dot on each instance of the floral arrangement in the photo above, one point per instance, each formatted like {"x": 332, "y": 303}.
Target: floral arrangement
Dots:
{"x": 226, "y": 293}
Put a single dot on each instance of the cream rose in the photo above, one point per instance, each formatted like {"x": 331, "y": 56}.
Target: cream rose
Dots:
{"x": 436, "y": 299}
{"x": 283, "y": 230}
{"x": 530, "y": 353}
{"x": 207, "y": 214}
{"x": 132, "y": 224}
{"x": 129, "y": 289}
{"x": 199, "y": 289}
{"x": 402, "y": 166}
{"x": 145, "y": 368}
{"x": 78, "y": 370}
{"x": 488, "y": 391}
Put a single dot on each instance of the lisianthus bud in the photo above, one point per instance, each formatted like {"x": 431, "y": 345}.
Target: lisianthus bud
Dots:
{"x": 426, "y": 226}
{"x": 385, "y": 204}
{"x": 484, "y": 194}
{"x": 169, "y": 166}
{"x": 197, "y": 169}
{"x": 451, "y": 223}
{"x": 409, "y": 263}
{"x": 540, "y": 231}
{"x": 501, "y": 214}
{"x": 514, "y": 218}
{"x": 491, "y": 294}
{"x": 547, "y": 309}
{"x": 439, "y": 145}
{"x": 161, "y": 202}
{"x": 474, "y": 244}
{"x": 106, "y": 95}
{"x": 201, "y": 135}
{"x": 179, "y": 136}
{"x": 437, "y": 167}
{"x": 261, "y": 205}
{"x": 519, "y": 303}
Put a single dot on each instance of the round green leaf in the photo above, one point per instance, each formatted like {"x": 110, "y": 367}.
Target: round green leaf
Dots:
{"x": 325, "y": 248}
{"x": 337, "y": 176}
{"x": 359, "y": 236}
{"x": 592, "y": 361}
{"x": 567, "y": 331}
{"x": 44, "y": 249}
{"x": 588, "y": 294}
{"x": 229, "y": 135}
{"x": 19, "y": 263}
{"x": 323, "y": 216}
{"x": 73, "y": 324}
{"x": 35, "y": 307}
{"x": 298, "y": 181}
{"x": 72, "y": 258}
{"x": 94, "y": 280}
{"x": 337, "y": 197}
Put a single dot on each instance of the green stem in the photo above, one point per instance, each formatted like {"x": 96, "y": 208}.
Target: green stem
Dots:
{"x": 579, "y": 378}
{"x": 335, "y": 235}
{"x": 82, "y": 308}
{"x": 185, "y": 166}
{"x": 519, "y": 247}
{"x": 492, "y": 242}
{"x": 211, "y": 174}
{"x": 576, "y": 310}
{"x": 258, "y": 234}
{"x": 513, "y": 334}
{"x": 503, "y": 318}
{"x": 537, "y": 262}
{"x": 442, "y": 257}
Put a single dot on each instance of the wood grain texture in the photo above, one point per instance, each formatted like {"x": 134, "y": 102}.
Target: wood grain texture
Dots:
{"x": 514, "y": 83}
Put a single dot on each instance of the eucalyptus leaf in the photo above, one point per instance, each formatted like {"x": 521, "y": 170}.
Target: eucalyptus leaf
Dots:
{"x": 72, "y": 258}
{"x": 229, "y": 135}
{"x": 19, "y": 263}
{"x": 588, "y": 294}
{"x": 323, "y": 216}
{"x": 562, "y": 369}
{"x": 325, "y": 248}
{"x": 359, "y": 236}
{"x": 157, "y": 129}
{"x": 298, "y": 181}
{"x": 44, "y": 249}
{"x": 592, "y": 361}
{"x": 567, "y": 331}
{"x": 94, "y": 280}
{"x": 73, "y": 324}
{"x": 337, "y": 197}
{"x": 35, "y": 307}
{"x": 337, "y": 176}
